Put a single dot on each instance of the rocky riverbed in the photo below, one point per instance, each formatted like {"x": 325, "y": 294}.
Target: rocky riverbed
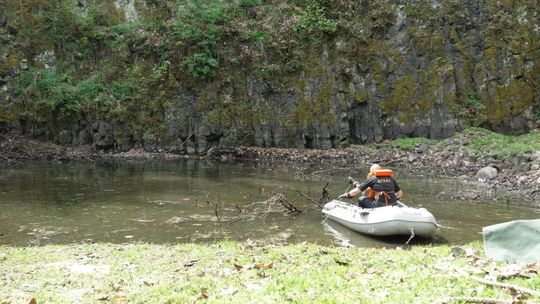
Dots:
{"x": 502, "y": 177}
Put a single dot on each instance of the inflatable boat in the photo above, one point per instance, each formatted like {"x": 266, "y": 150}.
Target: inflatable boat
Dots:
{"x": 383, "y": 221}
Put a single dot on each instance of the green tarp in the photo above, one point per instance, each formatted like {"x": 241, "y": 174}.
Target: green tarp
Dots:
{"x": 513, "y": 241}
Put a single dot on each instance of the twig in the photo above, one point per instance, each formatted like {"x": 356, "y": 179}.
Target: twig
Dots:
{"x": 444, "y": 171}
{"x": 325, "y": 195}
{"x": 236, "y": 220}
{"x": 285, "y": 203}
{"x": 503, "y": 285}
{"x": 329, "y": 170}
{"x": 216, "y": 212}
{"x": 185, "y": 141}
{"x": 260, "y": 210}
{"x": 309, "y": 198}
{"x": 238, "y": 207}
{"x": 507, "y": 286}
{"x": 440, "y": 194}
{"x": 473, "y": 300}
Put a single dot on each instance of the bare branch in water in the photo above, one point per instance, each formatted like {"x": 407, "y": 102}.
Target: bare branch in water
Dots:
{"x": 276, "y": 204}
{"x": 238, "y": 207}
{"x": 307, "y": 197}
{"x": 325, "y": 195}
{"x": 285, "y": 203}
{"x": 216, "y": 212}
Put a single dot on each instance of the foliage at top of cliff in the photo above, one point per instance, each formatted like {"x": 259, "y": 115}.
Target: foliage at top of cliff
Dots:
{"x": 85, "y": 57}
{"x": 198, "y": 36}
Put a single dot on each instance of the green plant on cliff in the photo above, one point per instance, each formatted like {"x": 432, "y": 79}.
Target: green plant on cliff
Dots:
{"x": 313, "y": 21}
{"x": 536, "y": 118}
{"x": 200, "y": 26}
{"x": 471, "y": 110}
{"x": 473, "y": 101}
{"x": 101, "y": 100}
{"x": 476, "y": 109}
{"x": 42, "y": 91}
{"x": 249, "y": 3}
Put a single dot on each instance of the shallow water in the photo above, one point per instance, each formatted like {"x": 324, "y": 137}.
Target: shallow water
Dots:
{"x": 202, "y": 201}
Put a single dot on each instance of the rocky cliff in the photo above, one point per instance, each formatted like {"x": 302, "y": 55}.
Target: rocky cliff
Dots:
{"x": 188, "y": 76}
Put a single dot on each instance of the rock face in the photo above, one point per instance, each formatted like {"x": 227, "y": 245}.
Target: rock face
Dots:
{"x": 410, "y": 70}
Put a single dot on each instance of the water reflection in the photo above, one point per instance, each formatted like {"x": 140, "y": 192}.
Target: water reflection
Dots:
{"x": 189, "y": 201}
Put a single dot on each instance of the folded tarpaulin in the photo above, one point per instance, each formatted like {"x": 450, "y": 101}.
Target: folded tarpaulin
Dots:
{"x": 513, "y": 241}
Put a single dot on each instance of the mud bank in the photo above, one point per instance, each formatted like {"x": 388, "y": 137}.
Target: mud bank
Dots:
{"x": 518, "y": 175}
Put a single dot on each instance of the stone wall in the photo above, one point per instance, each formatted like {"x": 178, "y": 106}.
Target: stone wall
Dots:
{"x": 422, "y": 68}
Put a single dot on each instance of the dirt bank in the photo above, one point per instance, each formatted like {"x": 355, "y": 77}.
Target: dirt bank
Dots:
{"x": 518, "y": 175}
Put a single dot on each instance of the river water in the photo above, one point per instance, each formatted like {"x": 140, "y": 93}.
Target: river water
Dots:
{"x": 204, "y": 201}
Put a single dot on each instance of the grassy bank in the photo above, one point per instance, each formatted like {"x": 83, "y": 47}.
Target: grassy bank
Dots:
{"x": 249, "y": 273}
{"x": 480, "y": 142}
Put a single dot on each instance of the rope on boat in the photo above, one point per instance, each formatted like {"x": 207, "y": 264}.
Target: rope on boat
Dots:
{"x": 411, "y": 237}
{"x": 401, "y": 204}
{"x": 325, "y": 218}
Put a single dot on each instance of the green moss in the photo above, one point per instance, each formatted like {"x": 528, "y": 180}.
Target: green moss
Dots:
{"x": 507, "y": 101}
{"x": 315, "y": 110}
{"x": 401, "y": 100}
{"x": 302, "y": 113}
{"x": 325, "y": 104}
{"x": 361, "y": 96}
{"x": 436, "y": 44}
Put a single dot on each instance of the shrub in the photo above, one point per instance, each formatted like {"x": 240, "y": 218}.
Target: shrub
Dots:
{"x": 200, "y": 28}
{"x": 249, "y": 3}
{"x": 314, "y": 20}
{"x": 43, "y": 90}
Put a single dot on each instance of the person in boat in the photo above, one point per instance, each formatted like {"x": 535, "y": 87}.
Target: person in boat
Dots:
{"x": 380, "y": 187}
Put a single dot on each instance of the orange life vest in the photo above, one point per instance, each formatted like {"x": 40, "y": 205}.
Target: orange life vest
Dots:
{"x": 371, "y": 194}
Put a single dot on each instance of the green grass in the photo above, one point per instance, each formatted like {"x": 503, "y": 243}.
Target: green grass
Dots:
{"x": 409, "y": 144}
{"x": 484, "y": 142}
{"x": 478, "y": 141}
{"x": 242, "y": 273}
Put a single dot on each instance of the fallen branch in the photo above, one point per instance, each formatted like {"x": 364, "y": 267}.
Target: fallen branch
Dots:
{"x": 325, "y": 195}
{"x": 185, "y": 141}
{"x": 306, "y": 196}
{"x": 519, "y": 289}
{"x": 260, "y": 210}
{"x": 444, "y": 171}
{"x": 216, "y": 212}
{"x": 473, "y": 300}
{"x": 285, "y": 203}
